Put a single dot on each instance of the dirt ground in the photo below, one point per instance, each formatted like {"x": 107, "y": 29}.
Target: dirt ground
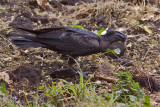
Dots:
{"x": 140, "y": 21}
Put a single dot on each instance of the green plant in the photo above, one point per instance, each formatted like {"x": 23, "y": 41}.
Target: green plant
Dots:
{"x": 77, "y": 26}
{"x": 100, "y": 31}
{"x": 3, "y": 90}
{"x": 38, "y": 13}
{"x": 134, "y": 22}
{"x": 147, "y": 29}
{"x": 128, "y": 92}
{"x": 80, "y": 91}
{"x": 5, "y": 99}
{"x": 116, "y": 51}
{"x": 84, "y": 92}
{"x": 54, "y": 93}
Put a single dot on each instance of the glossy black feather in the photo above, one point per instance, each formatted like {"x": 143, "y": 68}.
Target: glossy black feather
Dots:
{"x": 69, "y": 40}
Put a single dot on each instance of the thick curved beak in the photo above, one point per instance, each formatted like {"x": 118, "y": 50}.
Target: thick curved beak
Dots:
{"x": 114, "y": 36}
{"x": 121, "y": 35}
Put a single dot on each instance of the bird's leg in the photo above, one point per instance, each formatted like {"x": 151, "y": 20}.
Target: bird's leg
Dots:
{"x": 76, "y": 69}
{"x": 79, "y": 71}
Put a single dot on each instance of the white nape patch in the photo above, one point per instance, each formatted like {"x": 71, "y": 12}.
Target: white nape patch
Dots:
{"x": 104, "y": 32}
{"x": 95, "y": 32}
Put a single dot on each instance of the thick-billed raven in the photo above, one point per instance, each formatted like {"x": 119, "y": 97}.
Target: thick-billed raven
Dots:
{"x": 68, "y": 40}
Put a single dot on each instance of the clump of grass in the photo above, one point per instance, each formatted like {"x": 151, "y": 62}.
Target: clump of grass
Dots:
{"x": 54, "y": 94}
{"x": 125, "y": 93}
{"x": 6, "y": 99}
{"x": 84, "y": 92}
{"x": 80, "y": 94}
{"x": 128, "y": 93}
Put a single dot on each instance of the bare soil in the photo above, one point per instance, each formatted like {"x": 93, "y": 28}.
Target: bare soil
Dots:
{"x": 27, "y": 68}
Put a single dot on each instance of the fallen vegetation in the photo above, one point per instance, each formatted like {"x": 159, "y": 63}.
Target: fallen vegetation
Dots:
{"x": 28, "y": 76}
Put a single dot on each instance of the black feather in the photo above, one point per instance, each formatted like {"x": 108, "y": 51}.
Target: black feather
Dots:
{"x": 68, "y": 40}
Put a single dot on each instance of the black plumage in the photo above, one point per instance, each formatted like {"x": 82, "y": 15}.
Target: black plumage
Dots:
{"x": 68, "y": 40}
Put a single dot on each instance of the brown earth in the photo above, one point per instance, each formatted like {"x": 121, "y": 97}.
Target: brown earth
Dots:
{"x": 139, "y": 21}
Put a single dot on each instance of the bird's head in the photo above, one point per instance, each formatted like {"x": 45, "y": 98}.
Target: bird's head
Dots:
{"x": 113, "y": 40}
{"x": 113, "y": 36}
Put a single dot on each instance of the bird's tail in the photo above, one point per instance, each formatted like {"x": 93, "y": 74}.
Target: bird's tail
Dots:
{"x": 25, "y": 40}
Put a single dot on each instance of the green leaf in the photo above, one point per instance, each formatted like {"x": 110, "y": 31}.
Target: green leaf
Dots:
{"x": 133, "y": 98}
{"x": 146, "y": 102}
{"x": 110, "y": 50}
{"x": 53, "y": 83}
{"x": 136, "y": 85}
{"x": 126, "y": 90}
{"x": 131, "y": 23}
{"x": 108, "y": 96}
{"x": 117, "y": 51}
{"x": 41, "y": 87}
{"x": 73, "y": 88}
{"x": 3, "y": 88}
{"x": 122, "y": 105}
{"x": 38, "y": 13}
{"x": 77, "y": 26}
{"x": 70, "y": 25}
{"x": 100, "y": 31}
{"x": 1, "y": 93}
{"x": 47, "y": 91}
{"x": 147, "y": 99}
{"x": 136, "y": 21}
{"x": 95, "y": 56}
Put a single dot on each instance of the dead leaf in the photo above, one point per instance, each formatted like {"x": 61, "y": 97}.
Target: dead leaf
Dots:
{"x": 143, "y": 38}
{"x": 4, "y": 76}
{"x": 147, "y": 29}
{"x": 58, "y": 84}
{"x": 158, "y": 61}
{"x": 129, "y": 45}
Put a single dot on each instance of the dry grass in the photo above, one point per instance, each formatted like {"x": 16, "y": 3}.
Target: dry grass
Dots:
{"x": 143, "y": 47}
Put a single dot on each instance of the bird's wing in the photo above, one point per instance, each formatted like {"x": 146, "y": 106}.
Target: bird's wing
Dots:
{"x": 58, "y": 29}
{"x": 38, "y": 31}
{"x": 67, "y": 40}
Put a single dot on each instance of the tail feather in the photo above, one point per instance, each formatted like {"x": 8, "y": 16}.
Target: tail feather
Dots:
{"x": 27, "y": 36}
{"x": 39, "y": 31}
{"x": 25, "y": 43}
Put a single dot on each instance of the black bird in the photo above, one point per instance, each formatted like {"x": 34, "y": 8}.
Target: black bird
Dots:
{"x": 70, "y": 41}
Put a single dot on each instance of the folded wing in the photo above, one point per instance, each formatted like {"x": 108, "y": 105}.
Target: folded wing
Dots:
{"x": 65, "y": 40}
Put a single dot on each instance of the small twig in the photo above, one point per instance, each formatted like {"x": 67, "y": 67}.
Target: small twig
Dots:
{"x": 2, "y": 24}
{"x": 146, "y": 52}
{"x": 65, "y": 99}
{"x": 129, "y": 28}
